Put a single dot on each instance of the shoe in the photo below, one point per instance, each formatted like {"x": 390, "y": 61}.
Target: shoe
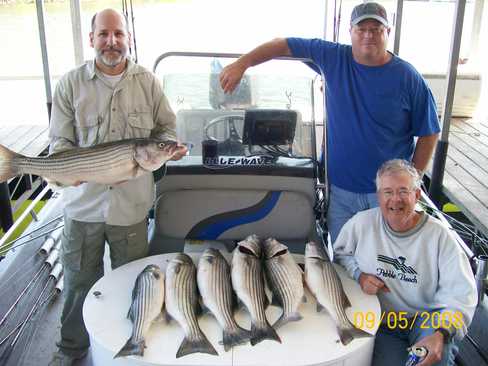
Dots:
{"x": 62, "y": 359}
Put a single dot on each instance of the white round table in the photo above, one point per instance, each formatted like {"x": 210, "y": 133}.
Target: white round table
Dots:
{"x": 311, "y": 341}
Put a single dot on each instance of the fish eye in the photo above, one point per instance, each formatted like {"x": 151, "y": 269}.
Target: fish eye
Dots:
{"x": 161, "y": 145}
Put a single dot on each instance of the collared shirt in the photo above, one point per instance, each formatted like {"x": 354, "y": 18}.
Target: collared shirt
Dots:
{"x": 87, "y": 110}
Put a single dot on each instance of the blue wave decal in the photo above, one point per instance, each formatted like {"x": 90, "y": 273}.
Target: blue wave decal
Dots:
{"x": 211, "y": 228}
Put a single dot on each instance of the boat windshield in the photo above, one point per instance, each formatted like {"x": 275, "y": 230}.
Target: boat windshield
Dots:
{"x": 269, "y": 116}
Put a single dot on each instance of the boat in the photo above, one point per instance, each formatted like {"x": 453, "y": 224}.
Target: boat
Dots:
{"x": 253, "y": 167}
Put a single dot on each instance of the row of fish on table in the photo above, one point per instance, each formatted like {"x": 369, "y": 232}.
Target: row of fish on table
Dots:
{"x": 177, "y": 289}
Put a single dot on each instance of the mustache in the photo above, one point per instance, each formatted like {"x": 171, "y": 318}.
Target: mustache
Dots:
{"x": 112, "y": 49}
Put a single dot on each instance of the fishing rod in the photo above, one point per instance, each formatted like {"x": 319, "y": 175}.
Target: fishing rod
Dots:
{"x": 51, "y": 241}
{"x": 54, "y": 275}
{"x": 126, "y": 16}
{"x": 339, "y": 21}
{"x": 48, "y": 263}
{"x": 335, "y": 22}
{"x": 133, "y": 31}
{"x": 58, "y": 288}
{"x": 36, "y": 237}
{"x": 6, "y": 245}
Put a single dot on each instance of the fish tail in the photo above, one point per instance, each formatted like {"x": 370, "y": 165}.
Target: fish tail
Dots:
{"x": 132, "y": 348}
{"x": 348, "y": 334}
{"x": 285, "y": 318}
{"x": 260, "y": 334}
{"x": 235, "y": 337}
{"x": 201, "y": 345}
{"x": 7, "y": 168}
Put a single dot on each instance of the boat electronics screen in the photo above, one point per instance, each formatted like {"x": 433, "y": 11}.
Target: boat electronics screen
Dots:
{"x": 269, "y": 127}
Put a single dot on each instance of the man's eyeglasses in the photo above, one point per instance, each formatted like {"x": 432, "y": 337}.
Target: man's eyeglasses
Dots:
{"x": 362, "y": 31}
{"x": 402, "y": 193}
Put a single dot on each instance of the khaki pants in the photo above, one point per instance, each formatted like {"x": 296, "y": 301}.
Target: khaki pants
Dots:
{"x": 82, "y": 249}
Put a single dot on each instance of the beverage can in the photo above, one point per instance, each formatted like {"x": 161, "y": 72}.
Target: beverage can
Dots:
{"x": 416, "y": 355}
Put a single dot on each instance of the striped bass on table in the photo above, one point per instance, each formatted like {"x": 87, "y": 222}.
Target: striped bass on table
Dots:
{"x": 214, "y": 284}
{"x": 248, "y": 283}
{"x": 147, "y": 305}
{"x": 182, "y": 304}
{"x": 285, "y": 280}
{"x": 324, "y": 283}
{"x": 107, "y": 163}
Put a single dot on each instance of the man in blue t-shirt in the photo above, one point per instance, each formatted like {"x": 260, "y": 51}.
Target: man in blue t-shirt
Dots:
{"x": 377, "y": 104}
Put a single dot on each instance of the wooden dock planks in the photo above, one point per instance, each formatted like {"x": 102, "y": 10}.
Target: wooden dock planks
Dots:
{"x": 30, "y": 140}
{"x": 466, "y": 173}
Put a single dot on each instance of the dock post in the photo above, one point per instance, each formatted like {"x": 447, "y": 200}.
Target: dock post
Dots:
{"x": 440, "y": 157}
{"x": 6, "y": 217}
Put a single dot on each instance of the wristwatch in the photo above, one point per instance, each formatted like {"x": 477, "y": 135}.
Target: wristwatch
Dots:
{"x": 446, "y": 333}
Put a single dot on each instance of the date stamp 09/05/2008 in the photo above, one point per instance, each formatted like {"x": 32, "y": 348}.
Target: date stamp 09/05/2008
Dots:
{"x": 404, "y": 320}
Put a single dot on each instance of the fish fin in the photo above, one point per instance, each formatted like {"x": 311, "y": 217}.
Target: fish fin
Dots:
{"x": 167, "y": 317}
{"x": 275, "y": 301}
{"x": 345, "y": 301}
{"x": 320, "y": 308}
{"x": 235, "y": 337}
{"x": 260, "y": 334}
{"x": 7, "y": 168}
{"x": 348, "y": 334}
{"x": 239, "y": 304}
{"x": 266, "y": 301}
{"x": 199, "y": 308}
{"x": 292, "y": 317}
{"x": 132, "y": 348}
{"x": 159, "y": 317}
{"x": 201, "y": 345}
{"x": 204, "y": 309}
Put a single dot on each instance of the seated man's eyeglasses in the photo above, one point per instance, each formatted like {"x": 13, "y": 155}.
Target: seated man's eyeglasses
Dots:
{"x": 402, "y": 193}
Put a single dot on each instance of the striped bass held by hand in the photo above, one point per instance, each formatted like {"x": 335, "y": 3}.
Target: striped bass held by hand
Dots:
{"x": 107, "y": 163}
{"x": 182, "y": 304}
{"x": 285, "y": 279}
{"x": 324, "y": 283}
{"x": 147, "y": 304}
{"x": 214, "y": 284}
{"x": 248, "y": 283}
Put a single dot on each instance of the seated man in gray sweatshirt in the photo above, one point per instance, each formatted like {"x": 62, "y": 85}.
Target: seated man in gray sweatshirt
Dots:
{"x": 412, "y": 262}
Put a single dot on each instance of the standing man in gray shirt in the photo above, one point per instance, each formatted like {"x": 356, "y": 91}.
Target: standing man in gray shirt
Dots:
{"x": 107, "y": 99}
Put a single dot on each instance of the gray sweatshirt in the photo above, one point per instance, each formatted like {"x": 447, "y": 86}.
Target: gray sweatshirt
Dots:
{"x": 424, "y": 268}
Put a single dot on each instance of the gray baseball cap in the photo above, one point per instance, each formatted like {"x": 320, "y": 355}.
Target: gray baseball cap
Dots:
{"x": 369, "y": 10}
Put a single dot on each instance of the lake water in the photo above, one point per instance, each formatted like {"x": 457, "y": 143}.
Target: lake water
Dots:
{"x": 196, "y": 25}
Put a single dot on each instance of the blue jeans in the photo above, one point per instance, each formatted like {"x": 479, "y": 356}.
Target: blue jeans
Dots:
{"x": 343, "y": 205}
{"x": 390, "y": 347}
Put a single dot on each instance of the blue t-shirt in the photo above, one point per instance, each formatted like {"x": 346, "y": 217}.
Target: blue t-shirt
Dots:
{"x": 373, "y": 112}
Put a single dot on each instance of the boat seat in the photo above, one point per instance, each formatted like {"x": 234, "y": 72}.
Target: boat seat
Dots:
{"x": 199, "y": 215}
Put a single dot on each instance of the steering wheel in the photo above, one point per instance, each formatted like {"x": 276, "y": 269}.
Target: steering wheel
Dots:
{"x": 229, "y": 120}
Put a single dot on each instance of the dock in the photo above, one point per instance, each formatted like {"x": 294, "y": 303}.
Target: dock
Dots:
{"x": 30, "y": 140}
{"x": 466, "y": 173}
